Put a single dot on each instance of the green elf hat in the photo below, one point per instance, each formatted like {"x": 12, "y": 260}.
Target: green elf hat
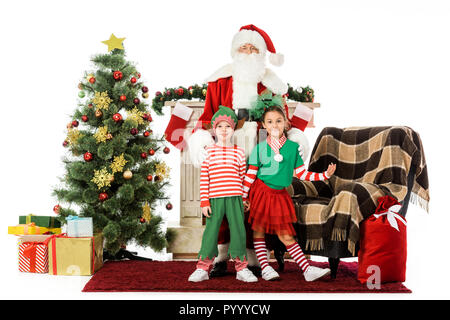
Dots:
{"x": 224, "y": 114}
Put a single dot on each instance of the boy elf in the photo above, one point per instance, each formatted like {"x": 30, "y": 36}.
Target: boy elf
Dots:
{"x": 221, "y": 190}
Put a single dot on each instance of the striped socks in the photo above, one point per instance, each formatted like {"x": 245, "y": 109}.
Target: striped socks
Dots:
{"x": 261, "y": 252}
{"x": 297, "y": 254}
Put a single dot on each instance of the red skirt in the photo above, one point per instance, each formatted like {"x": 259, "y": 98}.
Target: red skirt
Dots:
{"x": 271, "y": 211}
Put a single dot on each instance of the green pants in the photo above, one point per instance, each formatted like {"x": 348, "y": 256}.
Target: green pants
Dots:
{"x": 233, "y": 208}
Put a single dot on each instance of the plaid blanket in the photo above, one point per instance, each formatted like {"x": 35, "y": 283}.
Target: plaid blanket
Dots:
{"x": 371, "y": 162}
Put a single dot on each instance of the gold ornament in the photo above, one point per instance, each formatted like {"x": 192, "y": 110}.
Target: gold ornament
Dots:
{"x": 102, "y": 100}
{"x": 114, "y": 43}
{"x": 136, "y": 115}
{"x": 145, "y": 95}
{"x": 204, "y": 92}
{"x": 73, "y": 135}
{"x": 109, "y": 136}
{"x": 118, "y": 164}
{"x": 162, "y": 170}
{"x": 102, "y": 178}
{"x": 98, "y": 113}
{"x": 101, "y": 134}
{"x": 146, "y": 212}
{"x": 127, "y": 175}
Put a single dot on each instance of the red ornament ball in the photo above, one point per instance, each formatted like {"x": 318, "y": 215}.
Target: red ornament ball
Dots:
{"x": 151, "y": 152}
{"x": 103, "y": 196}
{"x": 75, "y": 123}
{"x": 142, "y": 220}
{"x": 117, "y": 117}
{"x": 149, "y": 177}
{"x": 92, "y": 80}
{"x": 144, "y": 89}
{"x": 57, "y": 209}
{"x": 133, "y": 80}
{"x": 84, "y": 118}
{"x": 88, "y": 156}
{"x": 138, "y": 74}
{"x": 123, "y": 97}
{"x": 169, "y": 206}
{"x": 168, "y": 93}
{"x": 146, "y": 133}
{"x": 65, "y": 143}
{"x": 180, "y": 91}
{"x": 117, "y": 75}
{"x": 136, "y": 101}
{"x": 166, "y": 150}
{"x": 158, "y": 93}
{"x": 144, "y": 155}
{"x": 134, "y": 131}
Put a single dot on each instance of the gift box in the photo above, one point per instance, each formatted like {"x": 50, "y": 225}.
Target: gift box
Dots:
{"x": 74, "y": 255}
{"x": 41, "y": 221}
{"x": 31, "y": 228}
{"x": 79, "y": 227}
{"x": 33, "y": 254}
{"x": 383, "y": 243}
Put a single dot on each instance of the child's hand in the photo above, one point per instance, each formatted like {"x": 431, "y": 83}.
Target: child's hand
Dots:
{"x": 206, "y": 211}
{"x": 331, "y": 169}
{"x": 246, "y": 206}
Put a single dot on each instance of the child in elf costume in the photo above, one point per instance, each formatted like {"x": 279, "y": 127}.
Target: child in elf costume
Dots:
{"x": 221, "y": 190}
{"x": 271, "y": 165}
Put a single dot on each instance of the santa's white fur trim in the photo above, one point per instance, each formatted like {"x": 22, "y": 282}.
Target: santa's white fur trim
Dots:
{"x": 277, "y": 59}
{"x": 252, "y": 258}
{"x": 274, "y": 83}
{"x": 299, "y": 137}
{"x": 222, "y": 252}
{"x": 196, "y": 144}
{"x": 248, "y": 36}
{"x": 245, "y": 137}
{"x": 270, "y": 79}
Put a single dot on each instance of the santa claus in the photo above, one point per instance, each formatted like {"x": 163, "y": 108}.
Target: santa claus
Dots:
{"x": 237, "y": 85}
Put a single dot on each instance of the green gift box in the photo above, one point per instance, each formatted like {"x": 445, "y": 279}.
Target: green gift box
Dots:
{"x": 40, "y": 221}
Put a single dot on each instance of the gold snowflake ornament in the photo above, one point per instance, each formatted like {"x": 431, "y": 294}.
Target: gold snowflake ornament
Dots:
{"x": 162, "y": 170}
{"x": 102, "y": 100}
{"x": 102, "y": 178}
{"x": 136, "y": 115}
{"x": 118, "y": 164}
{"x": 146, "y": 212}
{"x": 102, "y": 134}
{"x": 73, "y": 135}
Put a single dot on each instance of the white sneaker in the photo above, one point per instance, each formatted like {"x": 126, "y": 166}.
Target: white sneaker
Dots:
{"x": 198, "y": 275}
{"x": 246, "y": 275}
{"x": 270, "y": 274}
{"x": 314, "y": 273}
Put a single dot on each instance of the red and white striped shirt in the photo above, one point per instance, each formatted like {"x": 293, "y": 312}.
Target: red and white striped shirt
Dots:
{"x": 222, "y": 173}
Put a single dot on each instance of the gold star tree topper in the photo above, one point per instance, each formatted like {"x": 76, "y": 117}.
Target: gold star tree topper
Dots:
{"x": 114, "y": 43}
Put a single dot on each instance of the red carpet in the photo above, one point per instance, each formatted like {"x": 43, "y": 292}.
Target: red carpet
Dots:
{"x": 171, "y": 276}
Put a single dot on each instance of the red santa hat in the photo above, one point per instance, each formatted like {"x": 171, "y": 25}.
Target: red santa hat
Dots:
{"x": 260, "y": 39}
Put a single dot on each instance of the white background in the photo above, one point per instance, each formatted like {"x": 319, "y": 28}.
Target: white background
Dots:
{"x": 371, "y": 63}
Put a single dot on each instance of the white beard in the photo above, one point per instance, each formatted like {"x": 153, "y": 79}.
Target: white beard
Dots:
{"x": 248, "y": 71}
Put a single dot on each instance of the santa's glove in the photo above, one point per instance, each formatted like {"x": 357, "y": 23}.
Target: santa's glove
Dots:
{"x": 299, "y": 137}
{"x": 196, "y": 146}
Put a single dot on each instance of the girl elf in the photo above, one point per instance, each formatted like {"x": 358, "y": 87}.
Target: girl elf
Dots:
{"x": 271, "y": 165}
{"x": 221, "y": 190}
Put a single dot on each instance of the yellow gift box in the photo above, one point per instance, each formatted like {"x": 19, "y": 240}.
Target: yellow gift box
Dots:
{"x": 31, "y": 228}
{"x": 72, "y": 256}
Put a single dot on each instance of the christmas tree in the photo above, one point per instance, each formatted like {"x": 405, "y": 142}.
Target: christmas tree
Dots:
{"x": 112, "y": 171}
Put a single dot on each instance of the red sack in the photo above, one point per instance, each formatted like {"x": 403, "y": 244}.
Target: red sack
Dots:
{"x": 383, "y": 243}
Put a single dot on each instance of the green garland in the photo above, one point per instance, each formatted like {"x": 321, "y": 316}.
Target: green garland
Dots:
{"x": 199, "y": 92}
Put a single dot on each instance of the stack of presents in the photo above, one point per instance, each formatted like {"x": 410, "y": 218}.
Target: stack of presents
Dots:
{"x": 44, "y": 249}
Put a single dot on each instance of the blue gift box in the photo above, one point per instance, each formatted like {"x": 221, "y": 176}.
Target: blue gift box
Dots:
{"x": 79, "y": 226}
